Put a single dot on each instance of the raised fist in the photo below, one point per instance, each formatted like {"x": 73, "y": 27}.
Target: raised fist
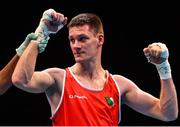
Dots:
{"x": 51, "y": 22}
{"x": 156, "y": 53}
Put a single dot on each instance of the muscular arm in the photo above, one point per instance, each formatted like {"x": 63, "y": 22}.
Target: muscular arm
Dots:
{"x": 166, "y": 106}
{"x": 168, "y": 99}
{"x": 25, "y": 77}
{"x": 163, "y": 108}
{"x": 6, "y": 73}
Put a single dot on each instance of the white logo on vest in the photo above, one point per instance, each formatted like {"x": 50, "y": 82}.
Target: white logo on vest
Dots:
{"x": 77, "y": 97}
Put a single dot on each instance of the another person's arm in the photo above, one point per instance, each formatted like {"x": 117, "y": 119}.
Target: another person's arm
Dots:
{"x": 6, "y": 73}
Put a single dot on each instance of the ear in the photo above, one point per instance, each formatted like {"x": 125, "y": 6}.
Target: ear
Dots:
{"x": 100, "y": 37}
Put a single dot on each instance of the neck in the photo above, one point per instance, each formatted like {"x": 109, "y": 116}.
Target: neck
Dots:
{"x": 89, "y": 69}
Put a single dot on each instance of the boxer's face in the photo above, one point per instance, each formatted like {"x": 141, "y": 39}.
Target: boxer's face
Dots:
{"x": 84, "y": 43}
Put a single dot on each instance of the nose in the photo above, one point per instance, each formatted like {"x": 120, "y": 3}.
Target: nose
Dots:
{"x": 77, "y": 45}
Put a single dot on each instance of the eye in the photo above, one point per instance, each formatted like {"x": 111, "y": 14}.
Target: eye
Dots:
{"x": 82, "y": 38}
{"x": 72, "y": 40}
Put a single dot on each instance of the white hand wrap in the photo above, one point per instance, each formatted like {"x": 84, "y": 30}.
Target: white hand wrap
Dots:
{"x": 48, "y": 16}
{"x": 42, "y": 28}
{"x": 164, "y": 68}
{"x": 42, "y": 44}
{"x": 165, "y": 52}
{"x": 25, "y": 43}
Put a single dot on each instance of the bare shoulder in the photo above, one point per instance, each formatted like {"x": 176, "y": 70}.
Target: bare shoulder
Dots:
{"x": 124, "y": 83}
{"x": 58, "y": 75}
{"x": 54, "y": 92}
{"x": 55, "y": 71}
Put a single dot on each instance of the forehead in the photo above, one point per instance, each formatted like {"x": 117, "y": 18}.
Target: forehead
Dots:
{"x": 79, "y": 30}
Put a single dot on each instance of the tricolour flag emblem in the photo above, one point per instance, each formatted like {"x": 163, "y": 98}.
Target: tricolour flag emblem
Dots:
{"x": 110, "y": 101}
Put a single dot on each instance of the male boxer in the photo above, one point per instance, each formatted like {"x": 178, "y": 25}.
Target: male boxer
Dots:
{"x": 86, "y": 94}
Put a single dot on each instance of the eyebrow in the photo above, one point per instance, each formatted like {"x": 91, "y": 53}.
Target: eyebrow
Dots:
{"x": 80, "y": 35}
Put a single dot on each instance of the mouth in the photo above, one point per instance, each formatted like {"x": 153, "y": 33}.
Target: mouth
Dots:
{"x": 78, "y": 53}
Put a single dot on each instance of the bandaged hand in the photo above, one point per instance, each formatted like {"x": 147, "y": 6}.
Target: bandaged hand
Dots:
{"x": 157, "y": 54}
{"x": 50, "y": 23}
{"x": 42, "y": 43}
{"x": 22, "y": 47}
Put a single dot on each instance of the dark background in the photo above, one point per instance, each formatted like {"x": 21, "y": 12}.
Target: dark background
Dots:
{"x": 129, "y": 27}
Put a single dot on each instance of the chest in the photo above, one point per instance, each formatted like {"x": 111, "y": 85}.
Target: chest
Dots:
{"x": 96, "y": 83}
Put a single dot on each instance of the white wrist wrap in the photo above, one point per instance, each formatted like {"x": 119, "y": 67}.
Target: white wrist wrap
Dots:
{"x": 164, "y": 70}
{"x": 42, "y": 28}
{"x": 20, "y": 49}
{"x": 25, "y": 43}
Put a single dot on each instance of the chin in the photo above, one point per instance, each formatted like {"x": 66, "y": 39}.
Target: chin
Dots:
{"x": 79, "y": 60}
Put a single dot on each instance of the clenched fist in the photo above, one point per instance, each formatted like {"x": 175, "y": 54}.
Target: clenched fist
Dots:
{"x": 156, "y": 53}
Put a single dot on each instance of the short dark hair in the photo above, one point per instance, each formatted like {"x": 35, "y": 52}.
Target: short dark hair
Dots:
{"x": 90, "y": 19}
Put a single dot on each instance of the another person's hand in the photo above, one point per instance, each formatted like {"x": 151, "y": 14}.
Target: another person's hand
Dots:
{"x": 42, "y": 45}
{"x": 32, "y": 36}
{"x": 22, "y": 47}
